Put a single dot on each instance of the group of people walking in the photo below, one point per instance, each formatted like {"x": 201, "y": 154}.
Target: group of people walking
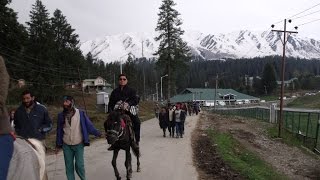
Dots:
{"x": 173, "y": 119}
{"x": 32, "y": 120}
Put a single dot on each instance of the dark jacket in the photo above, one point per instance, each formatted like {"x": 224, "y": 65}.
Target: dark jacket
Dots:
{"x": 163, "y": 119}
{"x": 33, "y": 125}
{"x": 86, "y": 128}
{"x": 127, "y": 94}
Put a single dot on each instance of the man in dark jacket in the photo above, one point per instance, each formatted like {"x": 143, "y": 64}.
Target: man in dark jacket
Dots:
{"x": 126, "y": 94}
{"x": 73, "y": 129}
{"x": 31, "y": 120}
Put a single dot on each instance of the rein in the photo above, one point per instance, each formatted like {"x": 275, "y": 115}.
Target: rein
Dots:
{"x": 119, "y": 133}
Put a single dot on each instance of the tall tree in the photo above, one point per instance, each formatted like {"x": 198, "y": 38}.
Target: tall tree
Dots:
{"x": 269, "y": 81}
{"x": 173, "y": 52}
{"x": 68, "y": 54}
{"x": 13, "y": 37}
{"x": 130, "y": 71}
{"x": 41, "y": 48}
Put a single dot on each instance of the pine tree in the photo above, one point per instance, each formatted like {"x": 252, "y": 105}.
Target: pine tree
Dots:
{"x": 173, "y": 52}
{"x": 13, "y": 37}
{"x": 269, "y": 81}
{"x": 68, "y": 54}
{"x": 41, "y": 48}
{"x": 130, "y": 71}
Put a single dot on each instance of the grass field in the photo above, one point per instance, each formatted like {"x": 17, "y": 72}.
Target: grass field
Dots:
{"x": 310, "y": 102}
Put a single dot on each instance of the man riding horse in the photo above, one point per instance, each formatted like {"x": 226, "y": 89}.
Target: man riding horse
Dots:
{"x": 127, "y": 97}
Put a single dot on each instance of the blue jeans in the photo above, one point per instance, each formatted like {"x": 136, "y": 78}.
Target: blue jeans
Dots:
{"x": 179, "y": 128}
{"x": 6, "y": 151}
{"x": 73, "y": 156}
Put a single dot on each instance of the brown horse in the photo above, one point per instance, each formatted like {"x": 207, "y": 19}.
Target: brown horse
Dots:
{"x": 120, "y": 135}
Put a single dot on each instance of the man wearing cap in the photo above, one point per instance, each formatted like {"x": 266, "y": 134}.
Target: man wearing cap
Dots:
{"x": 31, "y": 120}
{"x": 128, "y": 95}
{"x": 6, "y": 136}
{"x": 73, "y": 129}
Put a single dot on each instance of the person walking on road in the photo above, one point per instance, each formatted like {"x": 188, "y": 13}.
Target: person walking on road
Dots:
{"x": 178, "y": 116}
{"x": 73, "y": 129}
{"x": 172, "y": 123}
{"x": 163, "y": 120}
{"x": 31, "y": 120}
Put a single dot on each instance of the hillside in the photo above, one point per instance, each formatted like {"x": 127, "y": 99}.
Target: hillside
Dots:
{"x": 235, "y": 45}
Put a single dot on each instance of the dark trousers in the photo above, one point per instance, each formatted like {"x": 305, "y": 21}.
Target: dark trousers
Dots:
{"x": 171, "y": 128}
{"x": 182, "y": 126}
{"x": 136, "y": 127}
{"x": 6, "y": 151}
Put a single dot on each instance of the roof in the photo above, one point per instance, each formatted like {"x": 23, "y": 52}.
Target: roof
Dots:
{"x": 191, "y": 94}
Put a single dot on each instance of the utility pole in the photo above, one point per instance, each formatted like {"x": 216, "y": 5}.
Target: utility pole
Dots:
{"x": 144, "y": 85}
{"x": 215, "y": 93}
{"x": 142, "y": 48}
{"x": 284, "y": 31}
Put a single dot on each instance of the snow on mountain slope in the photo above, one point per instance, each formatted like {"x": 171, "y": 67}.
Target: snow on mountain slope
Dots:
{"x": 238, "y": 44}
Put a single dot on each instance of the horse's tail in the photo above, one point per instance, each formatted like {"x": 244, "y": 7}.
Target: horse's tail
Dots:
{"x": 135, "y": 149}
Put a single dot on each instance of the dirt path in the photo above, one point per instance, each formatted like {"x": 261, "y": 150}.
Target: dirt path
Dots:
{"x": 291, "y": 161}
{"x": 162, "y": 158}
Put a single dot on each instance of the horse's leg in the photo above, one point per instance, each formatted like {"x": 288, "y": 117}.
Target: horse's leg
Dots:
{"x": 138, "y": 164}
{"x": 114, "y": 163}
{"x": 128, "y": 164}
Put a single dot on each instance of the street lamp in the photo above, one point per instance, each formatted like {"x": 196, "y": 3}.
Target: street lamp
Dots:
{"x": 157, "y": 92}
{"x": 161, "y": 85}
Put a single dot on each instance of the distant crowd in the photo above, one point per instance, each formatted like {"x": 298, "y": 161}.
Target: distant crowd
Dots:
{"x": 173, "y": 118}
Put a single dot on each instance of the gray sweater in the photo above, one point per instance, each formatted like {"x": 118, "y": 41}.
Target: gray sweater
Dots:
{"x": 5, "y": 127}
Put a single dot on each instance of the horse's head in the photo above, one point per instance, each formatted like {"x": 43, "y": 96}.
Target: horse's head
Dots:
{"x": 114, "y": 127}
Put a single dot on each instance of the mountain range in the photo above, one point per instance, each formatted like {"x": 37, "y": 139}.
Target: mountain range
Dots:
{"x": 234, "y": 45}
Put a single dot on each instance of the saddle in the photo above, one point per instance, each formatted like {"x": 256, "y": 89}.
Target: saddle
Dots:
{"x": 127, "y": 120}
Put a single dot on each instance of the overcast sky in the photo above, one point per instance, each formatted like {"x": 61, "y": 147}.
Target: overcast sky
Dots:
{"x": 97, "y": 18}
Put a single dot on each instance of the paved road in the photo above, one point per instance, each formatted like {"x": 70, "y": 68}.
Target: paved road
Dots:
{"x": 162, "y": 158}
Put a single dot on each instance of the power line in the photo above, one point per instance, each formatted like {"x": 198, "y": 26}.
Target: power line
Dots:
{"x": 308, "y": 22}
{"x": 31, "y": 82}
{"x": 54, "y": 70}
{"x": 37, "y": 59}
{"x": 306, "y": 15}
{"x": 305, "y": 10}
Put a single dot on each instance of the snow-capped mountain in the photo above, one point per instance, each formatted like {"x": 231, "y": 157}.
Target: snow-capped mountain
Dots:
{"x": 240, "y": 44}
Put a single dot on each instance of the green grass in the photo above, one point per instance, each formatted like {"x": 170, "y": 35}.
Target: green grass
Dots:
{"x": 301, "y": 122}
{"x": 269, "y": 98}
{"x": 312, "y": 102}
{"x": 247, "y": 163}
{"x": 298, "y": 123}
{"x": 291, "y": 139}
{"x": 287, "y": 137}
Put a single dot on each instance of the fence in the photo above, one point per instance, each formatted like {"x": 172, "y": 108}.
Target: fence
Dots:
{"x": 304, "y": 124}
